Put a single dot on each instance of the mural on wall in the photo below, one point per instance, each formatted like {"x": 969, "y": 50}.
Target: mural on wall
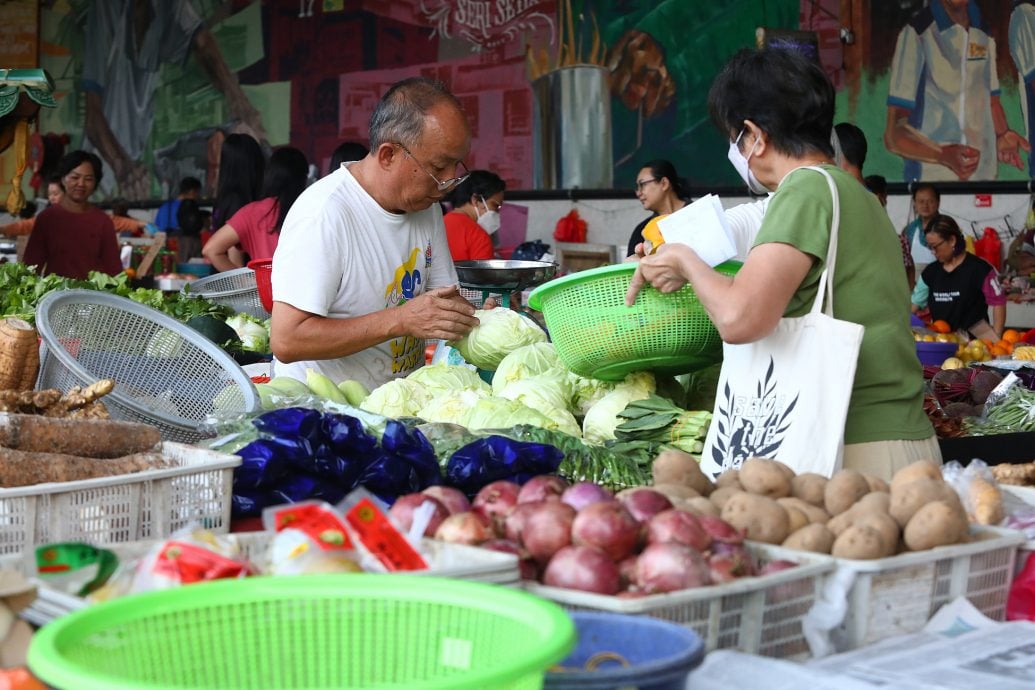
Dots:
{"x": 560, "y": 93}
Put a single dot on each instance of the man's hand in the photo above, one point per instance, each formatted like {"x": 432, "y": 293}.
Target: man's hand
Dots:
{"x": 440, "y": 314}
{"x": 134, "y": 181}
{"x": 960, "y": 158}
{"x": 1007, "y": 145}
{"x": 664, "y": 270}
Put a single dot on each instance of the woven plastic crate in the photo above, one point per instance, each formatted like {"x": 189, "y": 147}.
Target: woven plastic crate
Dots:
{"x": 165, "y": 373}
{"x": 334, "y": 631}
{"x": 123, "y": 508}
{"x": 236, "y": 289}
{"x": 898, "y": 595}
{"x": 758, "y": 615}
{"x": 597, "y": 335}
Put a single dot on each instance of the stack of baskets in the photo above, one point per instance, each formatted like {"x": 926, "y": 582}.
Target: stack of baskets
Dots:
{"x": 236, "y": 289}
{"x": 19, "y": 355}
{"x": 165, "y": 373}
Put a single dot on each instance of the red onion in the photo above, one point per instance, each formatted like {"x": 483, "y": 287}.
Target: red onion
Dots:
{"x": 607, "y": 526}
{"x": 547, "y": 529}
{"x": 453, "y": 499}
{"x": 722, "y": 568}
{"x": 529, "y": 570}
{"x": 495, "y": 500}
{"x": 545, "y": 487}
{"x": 742, "y": 562}
{"x": 464, "y": 528}
{"x": 776, "y": 566}
{"x": 583, "y": 568}
{"x": 402, "y": 511}
{"x": 670, "y": 567}
{"x": 514, "y": 523}
{"x": 644, "y": 503}
{"x": 720, "y": 530}
{"x": 627, "y": 571}
{"x": 582, "y": 494}
{"x": 678, "y": 526}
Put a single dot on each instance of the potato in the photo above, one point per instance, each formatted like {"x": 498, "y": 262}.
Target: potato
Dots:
{"x": 673, "y": 466}
{"x": 762, "y": 476}
{"x": 760, "y": 517}
{"x": 701, "y": 506}
{"x": 935, "y": 524}
{"x": 813, "y": 513}
{"x": 877, "y": 484}
{"x": 797, "y": 518}
{"x": 873, "y": 502}
{"x": 815, "y": 537}
{"x": 809, "y": 487}
{"x": 722, "y": 494}
{"x": 921, "y": 469}
{"x": 843, "y": 490}
{"x": 906, "y": 499}
{"x": 882, "y": 523}
{"x": 672, "y": 491}
{"x": 728, "y": 478}
{"x": 786, "y": 469}
{"x": 859, "y": 543}
{"x": 839, "y": 523}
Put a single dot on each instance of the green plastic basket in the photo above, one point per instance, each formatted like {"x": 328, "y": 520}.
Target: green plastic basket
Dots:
{"x": 313, "y": 632}
{"x": 596, "y": 335}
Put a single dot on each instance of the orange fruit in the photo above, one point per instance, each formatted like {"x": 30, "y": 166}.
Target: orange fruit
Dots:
{"x": 941, "y": 326}
{"x": 1011, "y": 336}
{"x": 997, "y": 350}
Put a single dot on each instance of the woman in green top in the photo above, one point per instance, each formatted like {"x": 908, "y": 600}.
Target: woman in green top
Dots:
{"x": 777, "y": 108}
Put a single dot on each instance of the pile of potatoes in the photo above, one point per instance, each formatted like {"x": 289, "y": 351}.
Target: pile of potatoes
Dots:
{"x": 850, "y": 515}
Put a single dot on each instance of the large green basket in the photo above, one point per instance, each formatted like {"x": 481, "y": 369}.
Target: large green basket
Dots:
{"x": 596, "y": 335}
{"x": 333, "y": 631}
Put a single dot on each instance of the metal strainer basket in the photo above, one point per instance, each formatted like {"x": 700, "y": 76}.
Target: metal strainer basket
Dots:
{"x": 165, "y": 373}
{"x": 236, "y": 289}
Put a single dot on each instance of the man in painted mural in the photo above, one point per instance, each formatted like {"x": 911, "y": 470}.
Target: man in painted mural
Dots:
{"x": 362, "y": 274}
{"x": 944, "y": 114}
{"x": 127, "y": 43}
{"x": 1022, "y": 49}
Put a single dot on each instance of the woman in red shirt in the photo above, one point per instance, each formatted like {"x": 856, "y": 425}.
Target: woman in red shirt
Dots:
{"x": 475, "y": 216}
{"x": 255, "y": 228}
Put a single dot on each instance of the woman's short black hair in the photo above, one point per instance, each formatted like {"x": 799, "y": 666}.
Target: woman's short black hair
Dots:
{"x": 783, "y": 92}
{"x": 661, "y": 168}
{"x": 928, "y": 186}
{"x": 481, "y": 184}
{"x": 74, "y": 159}
{"x": 948, "y": 230}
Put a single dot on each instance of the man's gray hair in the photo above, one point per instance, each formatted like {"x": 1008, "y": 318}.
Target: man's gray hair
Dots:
{"x": 399, "y": 116}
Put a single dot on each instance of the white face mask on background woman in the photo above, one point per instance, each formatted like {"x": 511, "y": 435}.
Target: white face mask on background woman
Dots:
{"x": 741, "y": 164}
{"x": 490, "y": 220}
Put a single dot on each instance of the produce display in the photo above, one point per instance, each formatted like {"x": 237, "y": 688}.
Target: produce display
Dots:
{"x": 77, "y": 403}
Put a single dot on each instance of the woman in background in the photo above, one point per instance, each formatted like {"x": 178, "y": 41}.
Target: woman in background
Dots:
{"x": 255, "y": 227}
{"x": 475, "y": 217}
{"x": 661, "y": 192}
{"x": 241, "y": 170}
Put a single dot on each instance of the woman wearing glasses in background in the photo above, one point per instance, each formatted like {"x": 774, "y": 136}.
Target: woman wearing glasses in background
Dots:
{"x": 661, "y": 192}
{"x": 362, "y": 274}
{"x": 958, "y": 287}
{"x": 472, "y": 224}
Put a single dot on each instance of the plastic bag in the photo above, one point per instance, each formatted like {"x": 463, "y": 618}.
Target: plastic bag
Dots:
{"x": 570, "y": 228}
{"x": 1020, "y": 603}
{"x": 990, "y": 248}
{"x": 978, "y": 491}
{"x": 498, "y": 457}
{"x": 530, "y": 251}
{"x": 311, "y": 538}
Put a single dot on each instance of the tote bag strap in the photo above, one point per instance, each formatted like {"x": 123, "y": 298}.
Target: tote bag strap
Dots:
{"x": 826, "y": 279}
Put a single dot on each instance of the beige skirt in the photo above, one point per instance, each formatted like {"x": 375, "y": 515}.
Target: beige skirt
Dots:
{"x": 884, "y": 458}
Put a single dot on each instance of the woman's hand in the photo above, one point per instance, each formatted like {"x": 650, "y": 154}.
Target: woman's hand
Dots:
{"x": 665, "y": 270}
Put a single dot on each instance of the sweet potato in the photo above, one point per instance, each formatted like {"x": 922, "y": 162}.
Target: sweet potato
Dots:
{"x": 91, "y": 438}
{"x": 764, "y": 477}
{"x": 24, "y": 468}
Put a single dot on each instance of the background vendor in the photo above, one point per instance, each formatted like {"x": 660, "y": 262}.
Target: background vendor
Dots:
{"x": 472, "y": 224}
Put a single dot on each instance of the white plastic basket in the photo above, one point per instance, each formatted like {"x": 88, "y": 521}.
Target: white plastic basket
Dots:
{"x": 236, "y": 289}
{"x": 123, "y": 508}
{"x": 898, "y": 595}
{"x": 758, "y": 615}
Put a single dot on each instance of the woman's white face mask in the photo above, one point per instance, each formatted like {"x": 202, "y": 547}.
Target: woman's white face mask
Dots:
{"x": 488, "y": 220}
{"x": 741, "y": 164}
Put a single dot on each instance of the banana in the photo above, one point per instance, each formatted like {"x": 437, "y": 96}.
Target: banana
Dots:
{"x": 322, "y": 386}
{"x": 287, "y": 386}
{"x": 354, "y": 391}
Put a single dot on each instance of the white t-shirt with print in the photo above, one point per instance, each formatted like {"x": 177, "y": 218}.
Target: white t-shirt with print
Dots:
{"x": 341, "y": 255}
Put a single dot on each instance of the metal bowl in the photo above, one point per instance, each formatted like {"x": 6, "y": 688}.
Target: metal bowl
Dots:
{"x": 504, "y": 274}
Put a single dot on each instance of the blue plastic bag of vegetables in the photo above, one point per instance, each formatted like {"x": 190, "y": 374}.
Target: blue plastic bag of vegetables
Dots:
{"x": 493, "y": 458}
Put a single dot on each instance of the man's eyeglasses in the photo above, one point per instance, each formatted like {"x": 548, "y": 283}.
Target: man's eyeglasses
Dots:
{"x": 443, "y": 185}
{"x": 640, "y": 184}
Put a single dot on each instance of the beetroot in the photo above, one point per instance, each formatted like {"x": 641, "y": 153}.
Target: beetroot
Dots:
{"x": 678, "y": 526}
{"x": 720, "y": 530}
{"x": 402, "y": 511}
{"x": 607, "y": 526}
{"x": 529, "y": 570}
{"x": 644, "y": 503}
{"x": 545, "y": 487}
{"x": 453, "y": 499}
{"x": 583, "y": 568}
{"x": 670, "y": 567}
{"x": 464, "y": 528}
{"x": 547, "y": 529}
{"x": 582, "y": 494}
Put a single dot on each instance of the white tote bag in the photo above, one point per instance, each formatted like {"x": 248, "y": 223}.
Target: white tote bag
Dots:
{"x": 786, "y": 396}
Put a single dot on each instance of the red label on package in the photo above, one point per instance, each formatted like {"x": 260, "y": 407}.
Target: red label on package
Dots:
{"x": 188, "y": 563}
{"x": 983, "y": 200}
{"x": 319, "y": 524}
{"x": 382, "y": 539}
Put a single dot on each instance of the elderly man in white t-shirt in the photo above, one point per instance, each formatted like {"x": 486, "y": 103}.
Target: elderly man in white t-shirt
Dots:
{"x": 362, "y": 274}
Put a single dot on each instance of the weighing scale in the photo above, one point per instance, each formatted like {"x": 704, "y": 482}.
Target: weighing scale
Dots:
{"x": 503, "y": 276}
